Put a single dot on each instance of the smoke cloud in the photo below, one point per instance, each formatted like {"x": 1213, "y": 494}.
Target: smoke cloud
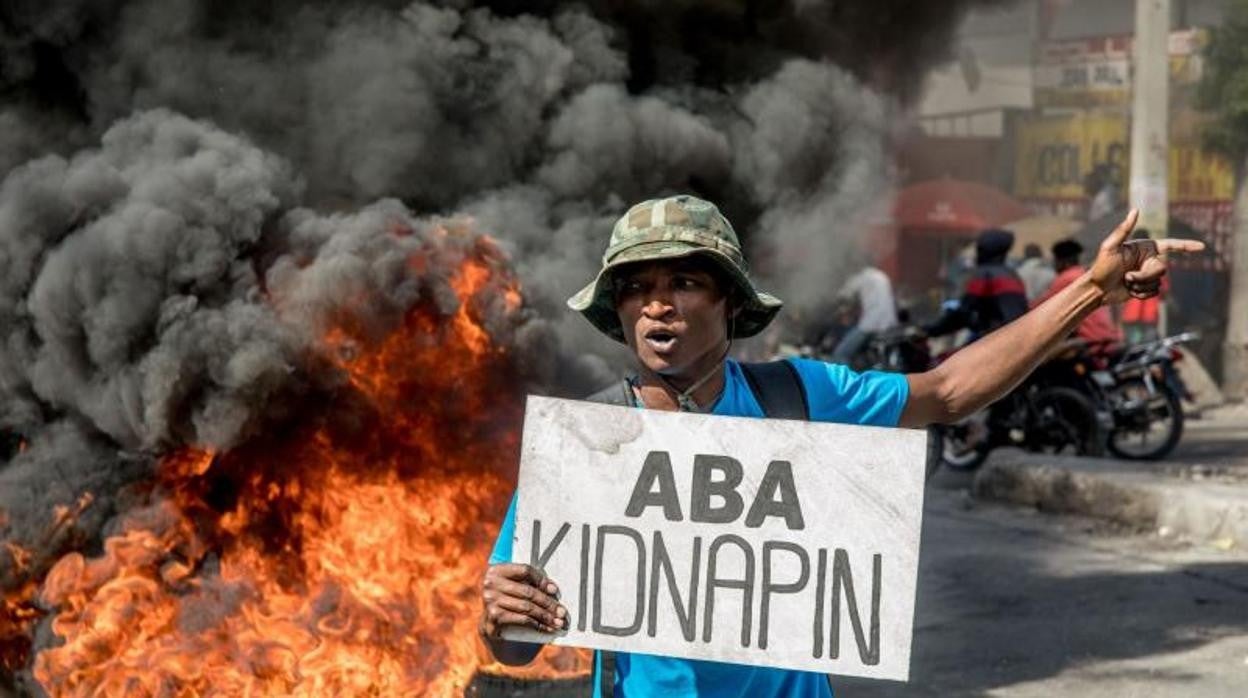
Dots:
{"x": 815, "y": 159}
{"x": 131, "y": 317}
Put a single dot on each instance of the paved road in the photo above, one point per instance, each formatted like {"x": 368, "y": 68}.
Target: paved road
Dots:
{"x": 1019, "y": 604}
{"x": 1216, "y": 443}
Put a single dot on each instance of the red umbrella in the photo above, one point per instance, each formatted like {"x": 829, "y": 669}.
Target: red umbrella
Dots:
{"x": 954, "y": 206}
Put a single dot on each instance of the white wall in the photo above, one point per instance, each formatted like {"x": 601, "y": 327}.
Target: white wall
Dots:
{"x": 998, "y": 42}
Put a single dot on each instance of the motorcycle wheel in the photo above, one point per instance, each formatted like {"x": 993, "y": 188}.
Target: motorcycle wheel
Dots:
{"x": 1065, "y": 419}
{"x": 955, "y": 454}
{"x": 1162, "y": 425}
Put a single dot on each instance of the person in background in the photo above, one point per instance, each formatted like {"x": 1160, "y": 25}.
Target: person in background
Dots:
{"x": 1035, "y": 271}
{"x": 1097, "y": 328}
{"x": 1100, "y": 187}
{"x": 874, "y": 292}
{"x": 994, "y": 294}
{"x": 1141, "y": 315}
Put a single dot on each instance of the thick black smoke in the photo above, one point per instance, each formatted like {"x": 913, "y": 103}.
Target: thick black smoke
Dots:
{"x": 191, "y": 188}
{"x": 428, "y": 101}
{"x": 585, "y": 105}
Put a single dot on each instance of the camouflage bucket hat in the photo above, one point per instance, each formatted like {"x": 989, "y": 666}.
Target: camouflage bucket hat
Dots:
{"x": 671, "y": 228}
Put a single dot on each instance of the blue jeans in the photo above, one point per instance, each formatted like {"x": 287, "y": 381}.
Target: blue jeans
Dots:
{"x": 849, "y": 345}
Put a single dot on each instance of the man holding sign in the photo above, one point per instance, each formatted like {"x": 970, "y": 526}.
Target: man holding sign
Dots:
{"x": 674, "y": 288}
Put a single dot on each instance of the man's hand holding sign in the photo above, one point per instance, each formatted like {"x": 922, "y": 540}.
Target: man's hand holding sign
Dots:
{"x": 777, "y": 544}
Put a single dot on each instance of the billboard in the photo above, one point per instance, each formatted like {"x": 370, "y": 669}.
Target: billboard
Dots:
{"x": 1096, "y": 72}
{"x": 1055, "y": 155}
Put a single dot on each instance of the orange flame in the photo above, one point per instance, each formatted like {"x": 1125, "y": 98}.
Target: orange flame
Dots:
{"x": 18, "y": 615}
{"x": 339, "y": 556}
{"x": 18, "y": 610}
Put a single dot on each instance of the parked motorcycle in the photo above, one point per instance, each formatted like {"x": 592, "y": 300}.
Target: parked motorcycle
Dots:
{"x": 1130, "y": 403}
{"x": 1041, "y": 415}
{"x": 1036, "y": 417}
{"x": 1145, "y": 393}
{"x": 1137, "y": 391}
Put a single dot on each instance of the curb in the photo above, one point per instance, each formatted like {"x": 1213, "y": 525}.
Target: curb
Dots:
{"x": 1216, "y": 513}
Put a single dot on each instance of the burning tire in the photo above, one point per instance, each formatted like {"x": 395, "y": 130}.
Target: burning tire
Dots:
{"x": 486, "y": 685}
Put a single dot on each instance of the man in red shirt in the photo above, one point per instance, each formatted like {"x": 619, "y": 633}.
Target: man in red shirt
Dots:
{"x": 1140, "y": 315}
{"x": 1098, "y": 328}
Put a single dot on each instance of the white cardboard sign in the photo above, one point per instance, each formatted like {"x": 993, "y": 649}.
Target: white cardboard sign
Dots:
{"x": 768, "y": 542}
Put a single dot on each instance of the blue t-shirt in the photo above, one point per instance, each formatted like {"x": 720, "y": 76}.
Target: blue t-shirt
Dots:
{"x": 834, "y": 394}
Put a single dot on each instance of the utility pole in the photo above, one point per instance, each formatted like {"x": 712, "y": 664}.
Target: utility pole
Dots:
{"x": 1235, "y": 349}
{"x": 1150, "y": 121}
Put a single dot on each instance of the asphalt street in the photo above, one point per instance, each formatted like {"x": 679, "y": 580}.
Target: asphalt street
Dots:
{"x": 1214, "y": 445}
{"x": 1018, "y": 603}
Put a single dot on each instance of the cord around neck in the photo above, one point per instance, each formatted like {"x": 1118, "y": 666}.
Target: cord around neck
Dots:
{"x": 684, "y": 398}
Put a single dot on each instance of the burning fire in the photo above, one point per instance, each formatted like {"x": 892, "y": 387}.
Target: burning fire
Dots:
{"x": 338, "y": 555}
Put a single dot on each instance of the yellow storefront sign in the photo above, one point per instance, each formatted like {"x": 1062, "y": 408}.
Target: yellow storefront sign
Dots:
{"x": 1198, "y": 176}
{"x": 1056, "y": 154}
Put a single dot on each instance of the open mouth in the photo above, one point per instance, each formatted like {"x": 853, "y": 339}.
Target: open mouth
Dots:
{"x": 661, "y": 341}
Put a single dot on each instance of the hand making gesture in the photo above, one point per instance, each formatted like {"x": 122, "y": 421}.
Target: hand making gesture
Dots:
{"x": 1133, "y": 269}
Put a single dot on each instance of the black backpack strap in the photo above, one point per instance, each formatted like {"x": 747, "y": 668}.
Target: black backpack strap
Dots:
{"x": 618, "y": 393}
{"x": 606, "y": 677}
{"x": 779, "y": 389}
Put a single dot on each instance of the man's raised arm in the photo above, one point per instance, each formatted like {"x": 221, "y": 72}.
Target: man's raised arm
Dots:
{"x": 989, "y": 368}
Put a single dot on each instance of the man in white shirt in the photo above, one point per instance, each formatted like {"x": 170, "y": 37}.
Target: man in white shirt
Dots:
{"x": 874, "y": 292}
{"x": 1036, "y": 273}
{"x": 1100, "y": 186}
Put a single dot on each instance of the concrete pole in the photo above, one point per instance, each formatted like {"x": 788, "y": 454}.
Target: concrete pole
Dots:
{"x": 1150, "y": 120}
{"x": 1235, "y": 350}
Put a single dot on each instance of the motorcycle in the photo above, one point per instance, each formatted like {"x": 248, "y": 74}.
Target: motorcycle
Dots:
{"x": 1051, "y": 412}
{"x": 1144, "y": 393}
{"x": 1035, "y": 416}
{"x": 1041, "y": 415}
{"x": 1137, "y": 391}
{"x": 1130, "y": 405}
